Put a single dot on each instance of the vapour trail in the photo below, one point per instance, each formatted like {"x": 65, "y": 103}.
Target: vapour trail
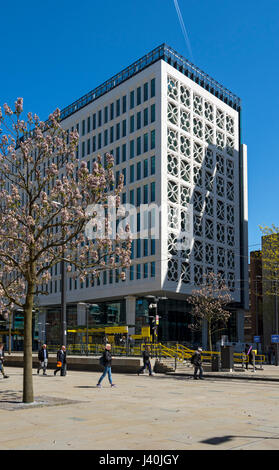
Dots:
{"x": 184, "y": 31}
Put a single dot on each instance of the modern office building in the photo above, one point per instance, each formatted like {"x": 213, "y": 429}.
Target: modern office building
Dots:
{"x": 175, "y": 134}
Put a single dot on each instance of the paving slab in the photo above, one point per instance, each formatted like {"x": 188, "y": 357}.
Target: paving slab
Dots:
{"x": 142, "y": 413}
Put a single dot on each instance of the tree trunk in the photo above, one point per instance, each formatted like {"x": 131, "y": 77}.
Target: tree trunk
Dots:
{"x": 28, "y": 396}
{"x": 209, "y": 335}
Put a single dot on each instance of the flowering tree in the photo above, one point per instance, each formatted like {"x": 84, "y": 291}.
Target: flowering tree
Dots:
{"x": 209, "y": 303}
{"x": 48, "y": 201}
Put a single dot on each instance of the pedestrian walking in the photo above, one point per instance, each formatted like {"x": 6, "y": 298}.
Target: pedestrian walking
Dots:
{"x": 105, "y": 361}
{"x": 249, "y": 353}
{"x": 61, "y": 361}
{"x": 43, "y": 358}
{"x": 196, "y": 360}
{"x": 2, "y": 354}
{"x": 146, "y": 361}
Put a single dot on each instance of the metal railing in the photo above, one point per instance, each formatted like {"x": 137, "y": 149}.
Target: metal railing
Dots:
{"x": 169, "y": 55}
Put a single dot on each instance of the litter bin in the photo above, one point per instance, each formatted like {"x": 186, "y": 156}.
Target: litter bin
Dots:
{"x": 215, "y": 363}
{"x": 227, "y": 357}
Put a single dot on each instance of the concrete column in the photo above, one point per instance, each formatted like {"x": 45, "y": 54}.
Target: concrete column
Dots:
{"x": 204, "y": 335}
{"x": 240, "y": 325}
{"x": 81, "y": 314}
{"x": 131, "y": 313}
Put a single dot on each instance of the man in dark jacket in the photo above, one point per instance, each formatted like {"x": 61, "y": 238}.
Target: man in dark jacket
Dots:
{"x": 106, "y": 362}
{"x": 61, "y": 358}
{"x": 43, "y": 358}
{"x": 196, "y": 360}
{"x": 146, "y": 361}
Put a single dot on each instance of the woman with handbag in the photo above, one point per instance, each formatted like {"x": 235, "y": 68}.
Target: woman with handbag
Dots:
{"x": 61, "y": 361}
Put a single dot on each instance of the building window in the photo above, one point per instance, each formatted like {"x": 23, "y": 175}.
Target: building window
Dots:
{"x": 111, "y": 134}
{"x": 138, "y": 247}
{"x": 138, "y": 197}
{"x": 138, "y": 95}
{"x": 131, "y": 273}
{"x": 132, "y": 197}
{"x": 112, "y": 111}
{"x": 145, "y": 92}
{"x": 124, "y": 104}
{"x": 99, "y": 140}
{"x": 152, "y": 91}
{"x": 138, "y": 170}
{"x": 138, "y": 145}
{"x": 124, "y": 153}
{"x": 145, "y": 117}
{"x": 152, "y": 165}
{"x": 106, "y": 137}
{"x": 145, "y": 168}
{"x": 152, "y": 139}
{"x": 106, "y": 115}
{"x": 152, "y": 192}
{"x": 88, "y": 124}
{"x": 132, "y": 148}
{"x": 145, "y": 143}
{"x": 132, "y": 99}
{"x": 132, "y": 124}
{"x": 100, "y": 118}
{"x": 152, "y": 113}
{"x": 88, "y": 146}
{"x": 138, "y": 120}
{"x": 145, "y": 247}
{"x": 124, "y": 176}
{"x": 145, "y": 194}
{"x": 83, "y": 127}
{"x": 152, "y": 246}
{"x": 132, "y": 249}
{"x": 138, "y": 222}
{"x": 118, "y": 131}
{"x": 94, "y": 122}
{"x": 83, "y": 149}
{"x": 124, "y": 129}
{"x": 132, "y": 173}
{"x": 138, "y": 271}
{"x": 118, "y": 107}
{"x": 145, "y": 270}
{"x": 152, "y": 265}
{"x": 94, "y": 143}
{"x": 117, "y": 155}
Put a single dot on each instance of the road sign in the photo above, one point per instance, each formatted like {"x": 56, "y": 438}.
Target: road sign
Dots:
{"x": 275, "y": 338}
{"x": 257, "y": 339}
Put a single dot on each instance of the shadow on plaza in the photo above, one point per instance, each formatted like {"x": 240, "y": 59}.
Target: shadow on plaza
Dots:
{"x": 10, "y": 396}
{"x": 224, "y": 439}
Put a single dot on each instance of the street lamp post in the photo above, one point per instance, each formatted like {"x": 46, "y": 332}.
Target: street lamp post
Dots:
{"x": 156, "y": 317}
{"x": 86, "y": 314}
{"x": 257, "y": 307}
{"x": 63, "y": 301}
{"x": 63, "y": 315}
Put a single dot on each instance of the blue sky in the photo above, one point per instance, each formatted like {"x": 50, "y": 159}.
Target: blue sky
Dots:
{"x": 53, "y": 52}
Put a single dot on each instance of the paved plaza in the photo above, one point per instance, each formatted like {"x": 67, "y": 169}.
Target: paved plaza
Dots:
{"x": 142, "y": 413}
